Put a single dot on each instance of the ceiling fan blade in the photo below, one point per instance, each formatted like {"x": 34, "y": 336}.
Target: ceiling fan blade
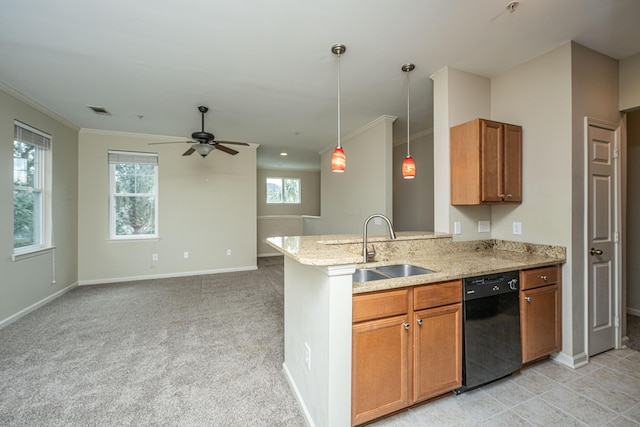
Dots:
{"x": 226, "y": 149}
{"x": 170, "y": 142}
{"x": 189, "y": 152}
{"x": 233, "y": 142}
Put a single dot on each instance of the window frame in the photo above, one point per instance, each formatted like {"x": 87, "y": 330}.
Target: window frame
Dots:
{"x": 42, "y": 185}
{"x": 146, "y": 158}
{"x": 282, "y": 185}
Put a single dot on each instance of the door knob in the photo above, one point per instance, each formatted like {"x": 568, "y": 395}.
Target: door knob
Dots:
{"x": 594, "y": 251}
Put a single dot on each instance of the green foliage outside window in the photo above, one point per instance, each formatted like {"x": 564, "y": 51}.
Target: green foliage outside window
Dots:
{"x": 283, "y": 190}
{"x": 26, "y": 195}
{"x": 135, "y": 200}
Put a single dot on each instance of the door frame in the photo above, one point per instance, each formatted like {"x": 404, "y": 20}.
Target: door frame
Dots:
{"x": 618, "y": 129}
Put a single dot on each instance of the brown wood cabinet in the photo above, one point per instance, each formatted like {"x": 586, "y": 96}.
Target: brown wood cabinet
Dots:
{"x": 540, "y": 312}
{"x": 406, "y": 347}
{"x": 486, "y": 163}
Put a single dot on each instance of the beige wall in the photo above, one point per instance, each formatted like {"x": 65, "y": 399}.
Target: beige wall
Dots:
{"x": 27, "y": 283}
{"x": 365, "y": 187}
{"x": 413, "y": 198}
{"x": 458, "y": 97}
{"x": 206, "y": 206}
{"x": 310, "y": 200}
{"x": 630, "y": 83}
{"x": 549, "y": 96}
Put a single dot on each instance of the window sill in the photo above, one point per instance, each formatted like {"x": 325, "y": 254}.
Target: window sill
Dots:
{"x": 134, "y": 240}
{"x": 31, "y": 253}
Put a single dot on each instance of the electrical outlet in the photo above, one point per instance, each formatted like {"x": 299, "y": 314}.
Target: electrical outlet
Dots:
{"x": 456, "y": 227}
{"x": 517, "y": 228}
{"x": 186, "y": 254}
{"x": 377, "y": 221}
{"x": 307, "y": 356}
{"x": 484, "y": 226}
{"x": 154, "y": 257}
{"x": 228, "y": 252}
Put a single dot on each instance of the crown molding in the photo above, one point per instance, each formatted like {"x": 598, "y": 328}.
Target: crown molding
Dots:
{"x": 33, "y": 104}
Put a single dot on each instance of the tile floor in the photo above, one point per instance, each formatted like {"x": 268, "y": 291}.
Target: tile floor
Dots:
{"x": 606, "y": 392}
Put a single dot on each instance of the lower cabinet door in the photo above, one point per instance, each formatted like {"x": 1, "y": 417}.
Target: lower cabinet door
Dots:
{"x": 540, "y": 322}
{"x": 437, "y": 361}
{"x": 380, "y": 368}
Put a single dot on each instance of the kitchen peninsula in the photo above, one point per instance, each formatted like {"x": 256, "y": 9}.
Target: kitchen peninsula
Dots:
{"x": 319, "y": 290}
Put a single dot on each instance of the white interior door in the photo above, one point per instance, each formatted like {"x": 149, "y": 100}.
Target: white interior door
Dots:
{"x": 603, "y": 237}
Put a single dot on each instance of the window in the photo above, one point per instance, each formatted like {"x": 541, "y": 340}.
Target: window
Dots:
{"x": 283, "y": 190}
{"x": 31, "y": 181}
{"x": 133, "y": 203}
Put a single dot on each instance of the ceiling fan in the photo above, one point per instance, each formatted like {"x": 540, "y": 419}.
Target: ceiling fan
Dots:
{"x": 204, "y": 142}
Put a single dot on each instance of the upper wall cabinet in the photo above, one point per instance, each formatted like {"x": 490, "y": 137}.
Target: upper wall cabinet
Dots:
{"x": 486, "y": 163}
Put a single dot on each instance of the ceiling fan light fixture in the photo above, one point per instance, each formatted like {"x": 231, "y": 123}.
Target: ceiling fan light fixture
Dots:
{"x": 338, "y": 158}
{"x": 408, "y": 165}
{"x": 203, "y": 149}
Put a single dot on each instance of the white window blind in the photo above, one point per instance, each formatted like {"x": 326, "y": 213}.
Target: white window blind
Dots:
{"x": 129, "y": 157}
{"x": 28, "y": 135}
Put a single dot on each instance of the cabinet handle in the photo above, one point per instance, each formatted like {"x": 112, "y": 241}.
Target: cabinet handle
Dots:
{"x": 419, "y": 322}
{"x": 509, "y": 196}
{"x": 406, "y": 326}
{"x": 544, "y": 278}
{"x": 501, "y": 196}
{"x": 527, "y": 299}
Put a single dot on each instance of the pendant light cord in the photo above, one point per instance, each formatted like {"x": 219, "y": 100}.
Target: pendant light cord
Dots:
{"x": 408, "y": 112}
{"x": 339, "y": 146}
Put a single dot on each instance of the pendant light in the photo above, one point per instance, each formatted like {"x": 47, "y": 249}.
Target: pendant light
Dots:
{"x": 338, "y": 158}
{"x": 408, "y": 165}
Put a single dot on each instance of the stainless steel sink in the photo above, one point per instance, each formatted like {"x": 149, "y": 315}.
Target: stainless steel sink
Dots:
{"x": 402, "y": 270}
{"x": 367, "y": 275}
{"x": 388, "y": 272}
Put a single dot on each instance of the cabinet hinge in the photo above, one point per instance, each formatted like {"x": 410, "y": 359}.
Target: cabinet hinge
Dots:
{"x": 616, "y": 237}
{"x": 616, "y": 152}
{"x": 617, "y": 322}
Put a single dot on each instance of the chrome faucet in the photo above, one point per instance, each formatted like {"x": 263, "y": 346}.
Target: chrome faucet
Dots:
{"x": 392, "y": 234}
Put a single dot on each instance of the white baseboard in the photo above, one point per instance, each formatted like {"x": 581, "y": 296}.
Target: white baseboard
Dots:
{"x": 9, "y": 320}
{"x": 298, "y": 396}
{"x": 268, "y": 254}
{"x": 633, "y": 311}
{"x": 163, "y": 276}
{"x": 574, "y": 362}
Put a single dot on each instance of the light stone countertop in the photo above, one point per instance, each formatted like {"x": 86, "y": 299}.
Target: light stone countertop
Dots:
{"x": 436, "y": 251}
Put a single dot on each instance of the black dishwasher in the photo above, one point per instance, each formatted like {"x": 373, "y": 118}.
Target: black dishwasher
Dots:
{"x": 491, "y": 329}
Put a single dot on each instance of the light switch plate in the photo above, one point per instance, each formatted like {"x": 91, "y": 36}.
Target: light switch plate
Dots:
{"x": 484, "y": 226}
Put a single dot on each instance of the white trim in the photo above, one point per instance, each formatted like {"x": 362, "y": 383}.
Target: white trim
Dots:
{"x": 616, "y": 128}
{"x": 633, "y": 311}
{"x": 382, "y": 119}
{"x": 9, "y": 320}
{"x": 421, "y": 134}
{"x": 296, "y": 392}
{"x": 31, "y": 253}
{"x": 33, "y": 104}
{"x": 574, "y": 362}
{"x": 163, "y": 276}
{"x": 268, "y": 254}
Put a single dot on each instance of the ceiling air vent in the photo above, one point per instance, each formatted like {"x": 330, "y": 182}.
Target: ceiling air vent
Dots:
{"x": 99, "y": 110}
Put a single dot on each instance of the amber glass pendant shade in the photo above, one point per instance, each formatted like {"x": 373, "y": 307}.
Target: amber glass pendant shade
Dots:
{"x": 408, "y": 168}
{"x": 338, "y": 160}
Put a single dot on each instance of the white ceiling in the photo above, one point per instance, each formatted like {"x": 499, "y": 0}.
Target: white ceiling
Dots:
{"x": 265, "y": 67}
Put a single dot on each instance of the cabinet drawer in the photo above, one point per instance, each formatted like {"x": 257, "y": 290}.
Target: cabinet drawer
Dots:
{"x": 438, "y": 294}
{"x": 537, "y": 277}
{"x": 380, "y": 304}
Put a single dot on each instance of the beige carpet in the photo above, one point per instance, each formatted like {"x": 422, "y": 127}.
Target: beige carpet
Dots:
{"x": 196, "y": 351}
